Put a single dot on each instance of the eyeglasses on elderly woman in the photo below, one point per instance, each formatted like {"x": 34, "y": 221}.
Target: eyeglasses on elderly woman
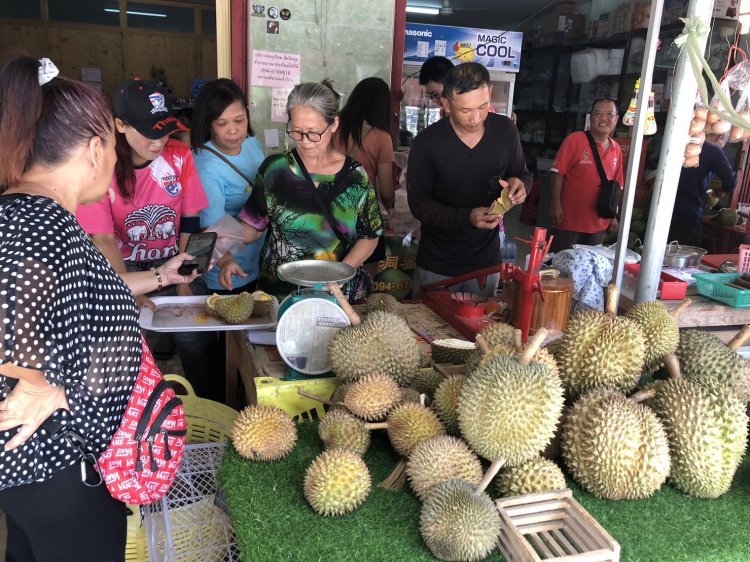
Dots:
{"x": 312, "y": 136}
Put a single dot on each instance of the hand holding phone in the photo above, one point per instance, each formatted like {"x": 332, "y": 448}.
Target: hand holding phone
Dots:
{"x": 201, "y": 246}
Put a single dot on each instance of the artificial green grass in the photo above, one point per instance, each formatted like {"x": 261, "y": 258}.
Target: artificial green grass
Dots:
{"x": 273, "y": 521}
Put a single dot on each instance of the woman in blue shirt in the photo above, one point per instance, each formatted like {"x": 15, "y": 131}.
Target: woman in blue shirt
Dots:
{"x": 227, "y": 156}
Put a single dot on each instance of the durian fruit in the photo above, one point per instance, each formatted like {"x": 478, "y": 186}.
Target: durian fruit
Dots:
{"x": 337, "y": 482}
{"x": 427, "y": 380}
{"x": 498, "y": 334}
{"x": 601, "y": 350}
{"x": 457, "y": 523}
{"x": 453, "y": 351}
{"x": 234, "y": 309}
{"x": 382, "y": 301}
{"x": 660, "y": 331}
{"x": 615, "y": 447}
{"x": 445, "y": 401}
{"x": 372, "y": 396}
{"x": 409, "y": 424}
{"x": 508, "y": 409}
{"x": 262, "y": 304}
{"x": 341, "y": 430}
{"x": 383, "y": 343}
{"x": 701, "y": 354}
{"x": 264, "y": 433}
{"x": 410, "y": 395}
{"x": 505, "y": 350}
{"x": 706, "y": 424}
{"x": 535, "y": 475}
{"x": 438, "y": 459}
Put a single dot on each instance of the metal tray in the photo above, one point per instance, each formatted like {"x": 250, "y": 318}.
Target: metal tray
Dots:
{"x": 315, "y": 273}
{"x": 189, "y": 314}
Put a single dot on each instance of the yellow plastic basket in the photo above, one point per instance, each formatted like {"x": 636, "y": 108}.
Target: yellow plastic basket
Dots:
{"x": 283, "y": 394}
{"x": 207, "y": 422}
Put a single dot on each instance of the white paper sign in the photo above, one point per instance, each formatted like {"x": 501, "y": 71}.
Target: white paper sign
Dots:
{"x": 89, "y": 74}
{"x": 275, "y": 70}
{"x": 278, "y": 104}
{"x": 271, "y": 138}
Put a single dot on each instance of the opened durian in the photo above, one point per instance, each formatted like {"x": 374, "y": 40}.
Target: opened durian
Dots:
{"x": 337, "y": 482}
{"x": 262, "y": 304}
{"x": 372, "y": 396}
{"x": 615, "y": 447}
{"x": 535, "y": 475}
{"x": 383, "y": 343}
{"x": 264, "y": 433}
{"x": 438, "y": 459}
{"x": 233, "y": 309}
{"x": 660, "y": 331}
{"x": 453, "y": 351}
{"x": 600, "y": 350}
{"x": 341, "y": 430}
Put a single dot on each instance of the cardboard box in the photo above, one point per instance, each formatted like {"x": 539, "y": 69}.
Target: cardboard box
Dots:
{"x": 726, "y": 9}
{"x": 567, "y": 8}
{"x": 641, "y": 15}
{"x": 559, "y": 29}
{"x": 605, "y": 23}
{"x": 623, "y": 17}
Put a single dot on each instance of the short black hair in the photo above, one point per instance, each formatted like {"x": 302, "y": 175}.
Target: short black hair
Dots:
{"x": 434, "y": 69}
{"x": 604, "y": 98}
{"x": 214, "y": 97}
{"x": 465, "y": 77}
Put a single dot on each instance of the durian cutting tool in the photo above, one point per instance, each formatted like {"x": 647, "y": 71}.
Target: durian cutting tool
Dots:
{"x": 311, "y": 315}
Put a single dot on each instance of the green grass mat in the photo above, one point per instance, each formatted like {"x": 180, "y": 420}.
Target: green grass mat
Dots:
{"x": 273, "y": 521}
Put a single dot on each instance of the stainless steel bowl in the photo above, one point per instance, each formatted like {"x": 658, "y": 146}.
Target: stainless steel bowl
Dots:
{"x": 677, "y": 255}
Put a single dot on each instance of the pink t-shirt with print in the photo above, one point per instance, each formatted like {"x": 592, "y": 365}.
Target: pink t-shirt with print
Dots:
{"x": 147, "y": 228}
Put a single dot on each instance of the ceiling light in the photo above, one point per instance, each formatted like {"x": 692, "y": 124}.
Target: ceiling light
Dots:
{"x": 422, "y": 10}
{"x": 132, "y": 13}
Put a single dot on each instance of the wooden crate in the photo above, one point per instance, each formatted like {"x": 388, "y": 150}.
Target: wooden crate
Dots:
{"x": 552, "y": 526}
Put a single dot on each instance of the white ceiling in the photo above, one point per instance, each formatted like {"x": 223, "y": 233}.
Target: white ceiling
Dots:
{"x": 486, "y": 14}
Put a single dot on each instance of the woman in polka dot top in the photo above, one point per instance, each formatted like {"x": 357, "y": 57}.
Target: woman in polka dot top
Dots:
{"x": 70, "y": 345}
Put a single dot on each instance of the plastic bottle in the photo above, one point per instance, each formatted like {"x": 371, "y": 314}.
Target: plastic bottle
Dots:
{"x": 650, "y": 117}
{"x": 629, "y": 117}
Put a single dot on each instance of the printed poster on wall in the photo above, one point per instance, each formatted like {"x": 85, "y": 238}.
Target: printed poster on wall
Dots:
{"x": 275, "y": 70}
{"x": 496, "y": 50}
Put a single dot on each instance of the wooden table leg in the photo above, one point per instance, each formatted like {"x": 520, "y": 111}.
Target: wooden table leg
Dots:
{"x": 241, "y": 365}
{"x": 232, "y": 369}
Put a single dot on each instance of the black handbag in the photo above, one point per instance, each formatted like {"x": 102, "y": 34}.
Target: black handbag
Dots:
{"x": 361, "y": 285}
{"x": 608, "y": 202}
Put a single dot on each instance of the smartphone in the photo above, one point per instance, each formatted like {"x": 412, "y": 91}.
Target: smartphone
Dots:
{"x": 201, "y": 246}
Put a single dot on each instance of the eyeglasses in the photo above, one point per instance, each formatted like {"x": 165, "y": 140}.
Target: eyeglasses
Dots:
{"x": 312, "y": 136}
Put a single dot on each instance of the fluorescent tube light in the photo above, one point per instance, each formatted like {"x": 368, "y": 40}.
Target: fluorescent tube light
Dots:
{"x": 132, "y": 13}
{"x": 422, "y": 10}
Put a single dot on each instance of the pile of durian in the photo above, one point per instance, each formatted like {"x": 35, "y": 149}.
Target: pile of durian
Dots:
{"x": 631, "y": 402}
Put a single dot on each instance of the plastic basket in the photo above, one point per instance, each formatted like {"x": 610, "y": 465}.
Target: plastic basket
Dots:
{"x": 283, "y": 394}
{"x": 207, "y": 422}
{"x": 714, "y": 286}
{"x": 743, "y": 260}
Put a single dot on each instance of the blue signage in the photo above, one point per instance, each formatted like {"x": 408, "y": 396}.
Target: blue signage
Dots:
{"x": 496, "y": 50}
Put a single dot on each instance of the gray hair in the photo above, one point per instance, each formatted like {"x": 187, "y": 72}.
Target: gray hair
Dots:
{"x": 320, "y": 97}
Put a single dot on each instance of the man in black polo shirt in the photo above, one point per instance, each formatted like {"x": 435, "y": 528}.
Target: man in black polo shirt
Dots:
{"x": 453, "y": 172}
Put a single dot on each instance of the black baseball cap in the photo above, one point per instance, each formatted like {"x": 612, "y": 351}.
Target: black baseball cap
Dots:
{"x": 145, "y": 106}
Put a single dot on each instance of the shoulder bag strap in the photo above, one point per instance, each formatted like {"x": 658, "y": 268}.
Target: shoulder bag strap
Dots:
{"x": 323, "y": 207}
{"x": 220, "y": 155}
{"x": 595, "y": 150}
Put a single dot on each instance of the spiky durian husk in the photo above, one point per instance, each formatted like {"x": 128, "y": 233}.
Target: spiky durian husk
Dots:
{"x": 509, "y": 410}
{"x": 703, "y": 354}
{"x": 233, "y": 309}
{"x": 264, "y": 433}
{"x": 498, "y": 334}
{"x": 453, "y": 351}
{"x": 382, "y": 343}
{"x": 660, "y": 332}
{"x": 457, "y": 525}
{"x": 410, "y": 395}
{"x": 536, "y": 475}
{"x": 341, "y": 430}
{"x": 600, "y": 351}
{"x": 445, "y": 401}
{"x": 337, "y": 482}
{"x": 438, "y": 459}
{"x": 426, "y": 381}
{"x": 262, "y": 304}
{"x": 707, "y": 429}
{"x": 409, "y": 424}
{"x": 382, "y": 301}
{"x": 503, "y": 350}
{"x": 614, "y": 447}
{"x": 372, "y": 396}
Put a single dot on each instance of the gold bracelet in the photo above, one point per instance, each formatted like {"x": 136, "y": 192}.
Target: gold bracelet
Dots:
{"x": 157, "y": 273}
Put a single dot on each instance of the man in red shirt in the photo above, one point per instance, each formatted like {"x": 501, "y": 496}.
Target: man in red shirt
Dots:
{"x": 576, "y": 182}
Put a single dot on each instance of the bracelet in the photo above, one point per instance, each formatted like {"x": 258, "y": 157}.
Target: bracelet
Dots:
{"x": 157, "y": 273}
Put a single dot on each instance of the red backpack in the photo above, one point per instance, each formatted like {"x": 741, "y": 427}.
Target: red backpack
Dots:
{"x": 144, "y": 455}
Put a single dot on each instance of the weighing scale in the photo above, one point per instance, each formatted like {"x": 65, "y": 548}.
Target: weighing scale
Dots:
{"x": 309, "y": 317}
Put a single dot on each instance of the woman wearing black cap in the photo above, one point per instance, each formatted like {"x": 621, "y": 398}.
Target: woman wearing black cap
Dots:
{"x": 151, "y": 208}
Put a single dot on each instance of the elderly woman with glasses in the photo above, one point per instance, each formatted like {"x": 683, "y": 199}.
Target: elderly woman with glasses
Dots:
{"x": 314, "y": 201}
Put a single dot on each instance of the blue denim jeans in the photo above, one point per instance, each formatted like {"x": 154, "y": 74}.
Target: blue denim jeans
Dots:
{"x": 199, "y": 352}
